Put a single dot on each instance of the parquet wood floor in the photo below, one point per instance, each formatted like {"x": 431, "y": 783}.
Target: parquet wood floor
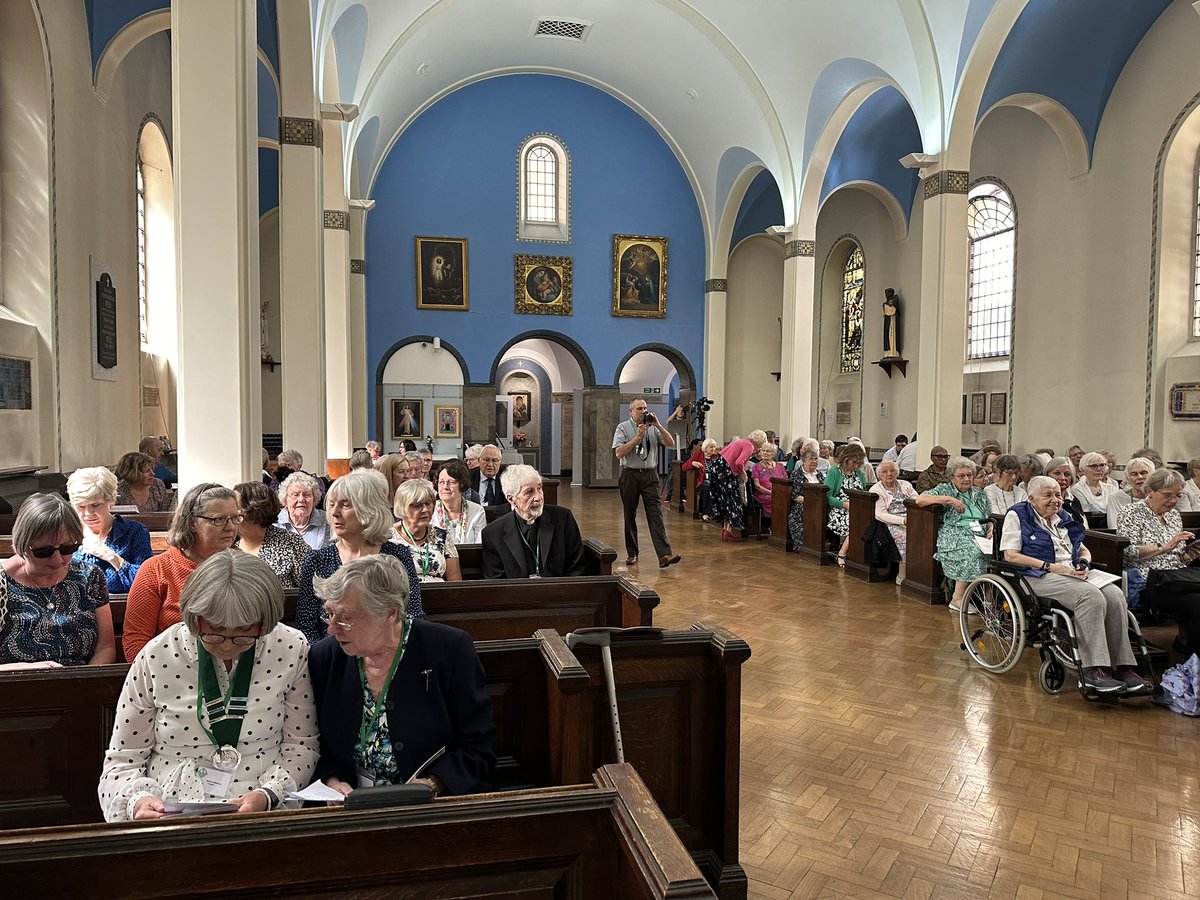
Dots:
{"x": 876, "y": 762}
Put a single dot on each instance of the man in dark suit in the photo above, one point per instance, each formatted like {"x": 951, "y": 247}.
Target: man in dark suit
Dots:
{"x": 485, "y": 481}
{"x": 534, "y": 540}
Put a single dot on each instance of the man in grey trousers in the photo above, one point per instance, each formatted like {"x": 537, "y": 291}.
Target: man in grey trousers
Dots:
{"x": 636, "y": 442}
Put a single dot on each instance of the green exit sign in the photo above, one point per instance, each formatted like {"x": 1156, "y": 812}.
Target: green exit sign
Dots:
{"x": 651, "y": 390}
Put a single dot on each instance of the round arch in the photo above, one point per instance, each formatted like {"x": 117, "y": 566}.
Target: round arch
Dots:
{"x": 557, "y": 337}
{"x": 884, "y": 196}
{"x": 386, "y": 357}
{"x": 1064, "y": 125}
{"x": 687, "y": 375}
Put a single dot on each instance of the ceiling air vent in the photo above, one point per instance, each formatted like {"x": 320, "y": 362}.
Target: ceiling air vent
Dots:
{"x": 566, "y": 29}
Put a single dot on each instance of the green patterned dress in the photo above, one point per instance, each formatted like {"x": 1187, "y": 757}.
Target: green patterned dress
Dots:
{"x": 957, "y": 551}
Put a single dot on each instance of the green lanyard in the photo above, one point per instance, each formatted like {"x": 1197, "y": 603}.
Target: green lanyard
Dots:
{"x": 536, "y": 551}
{"x": 424, "y": 553}
{"x": 369, "y": 722}
{"x": 970, "y": 510}
{"x": 225, "y": 714}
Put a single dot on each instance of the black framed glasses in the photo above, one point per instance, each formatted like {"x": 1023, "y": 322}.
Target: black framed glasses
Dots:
{"x": 216, "y": 640}
{"x": 64, "y": 550}
{"x": 222, "y": 521}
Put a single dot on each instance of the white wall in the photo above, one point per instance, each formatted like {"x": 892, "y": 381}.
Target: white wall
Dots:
{"x": 753, "y": 343}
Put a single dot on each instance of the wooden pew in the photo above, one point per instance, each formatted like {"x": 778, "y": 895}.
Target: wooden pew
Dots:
{"x": 862, "y": 517}
{"x": 923, "y": 574}
{"x": 159, "y": 521}
{"x": 549, "y": 493}
{"x": 686, "y": 492}
{"x": 781, "y": 505}
{"x": 593, "y": 842}
{"x": 816, "y": 517}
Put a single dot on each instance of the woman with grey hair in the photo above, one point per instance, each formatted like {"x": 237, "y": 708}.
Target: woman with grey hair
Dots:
{"x": 361, "y": 459}
{"x": 375, "y": 449}
{"x": 361, "y": 520}
{"x": 1093, "y": 489}
{"x": 53, "y": 611}
{"x": 299, "y": 495}
{"x": 287, "y": 463}
{"x": 220, "y": 706}
{"x": 471, "y": 455}
{"x": 116, "y": 545}
{"x": 206, "y": 523}
{"x": 964, "y": 519}
{"x": 379, "y": 658}
{"x": 432, "y": 548}
{"x": 805, "y": 472}
{"x": 1137, "y": 470}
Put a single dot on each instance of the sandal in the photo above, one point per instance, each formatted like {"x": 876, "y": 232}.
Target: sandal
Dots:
{"x": 841, "y": 561}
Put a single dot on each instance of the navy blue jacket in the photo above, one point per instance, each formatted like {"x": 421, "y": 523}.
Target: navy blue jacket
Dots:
{"x": 1036, "y": 540}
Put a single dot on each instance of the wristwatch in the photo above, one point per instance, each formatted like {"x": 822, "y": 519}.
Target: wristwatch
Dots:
{"x": 1045, "y": 566}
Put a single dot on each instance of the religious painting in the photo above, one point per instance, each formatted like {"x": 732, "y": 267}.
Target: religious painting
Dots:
{"x": 406, "y": 419}
{"x": 853, "y": 281}
{"x": 978, "y": 409}
{"x": 442, "y": 273}
{"x": 542, "y": 284}
{"x": 997, "y": 409}
{"x": 522, "y": 403}
{"x": 448, "y": 419}
{"x": 639, "y": 276}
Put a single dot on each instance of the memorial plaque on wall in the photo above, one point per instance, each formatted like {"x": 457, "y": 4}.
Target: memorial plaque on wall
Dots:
{"x": 104, "y": 321}
{"x": 16, "y": 383}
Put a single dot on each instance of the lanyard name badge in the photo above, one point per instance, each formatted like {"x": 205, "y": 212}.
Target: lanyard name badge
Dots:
{"x": 424, "y": 552}
{"x": 225, "y": 716}
{"x": 536, "y": 553}
{"x": 366, "y": 775}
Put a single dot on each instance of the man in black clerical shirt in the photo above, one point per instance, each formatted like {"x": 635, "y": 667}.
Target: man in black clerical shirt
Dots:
{"x": 536, "y": 539}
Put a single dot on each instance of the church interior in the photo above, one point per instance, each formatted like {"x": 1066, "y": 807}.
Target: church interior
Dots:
{"x": 462, "y": 222}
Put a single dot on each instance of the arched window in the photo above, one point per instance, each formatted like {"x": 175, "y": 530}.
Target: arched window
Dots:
{"x": 1196, "y": 277}
{"x": 157, "y": 316}
{"x": 853, "y": 276}
{"x": 992, "y": 231}
{"x": 543, "y": 190}
{"x": 143, "y": 331}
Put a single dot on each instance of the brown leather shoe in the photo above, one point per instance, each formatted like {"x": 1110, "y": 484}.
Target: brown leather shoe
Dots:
{"x": 631, "y": 561}
{"x": 664, "y": 561}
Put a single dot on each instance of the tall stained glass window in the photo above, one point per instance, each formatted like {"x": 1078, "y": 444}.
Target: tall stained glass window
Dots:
{"x": 141, "y": 255}
{"x": 992, "y": 232}
{"x": 1196, "y": 277}
{"x": 853, "y": 277}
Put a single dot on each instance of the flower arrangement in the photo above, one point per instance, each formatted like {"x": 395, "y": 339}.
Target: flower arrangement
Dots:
{"x": 518, "y": 438}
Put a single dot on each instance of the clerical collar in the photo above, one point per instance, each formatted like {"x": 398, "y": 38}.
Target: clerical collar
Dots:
{"x": 527, "y": 529}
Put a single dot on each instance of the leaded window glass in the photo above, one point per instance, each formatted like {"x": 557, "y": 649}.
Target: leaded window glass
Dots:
{"x": 992, "y": 232}
{"x": 143, "y": 330}
{"x": 1196, "y": 279}
{"x": 543, "y": 189}
{"x": 853, "y": 276}
{"x": 541, "y": 184}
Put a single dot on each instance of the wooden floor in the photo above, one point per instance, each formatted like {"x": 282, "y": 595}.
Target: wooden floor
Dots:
{"x": 876, "y": 762}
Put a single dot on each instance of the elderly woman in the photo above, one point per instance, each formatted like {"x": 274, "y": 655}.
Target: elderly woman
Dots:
{"x": 1031, "y": 466}
{"x": 53, "y": 611}
{"x": 460, "y": 518}
{"x": 137, "y": 486}
{"x": 1137, "y": 470}
{"x": 842, "y": 478}
{"x": 283, "y": 551}
{"x": 471, "y": 455}
{"x": 760, "y": 477}
{"x": 1062, "y": 471}
{"x": 1189, "y": 500}
{"x": 380, "y": 658}
{"x": 220, "y": 707}
{"x": 1156, "y": 537}
{"x": 299, "y": 495}
{"x": 432, "y": 548}
{"x": 1049, "y": 543}
{"x": 699, "y": 460}
{"x": 287, "y": 463}
{"x": 964, "y": 519}
{"x": 1005, "y": 491}
{"x": 805, "y": 472}
{"x": 727, "y": 475}
{"x": 361, "y": 518}
{"x": 117, "y": 546}
{"x": 206, "y": 523}
{"x": 865, "y": 469}
{"x": 1093, "y": 489}
{"x": 890, "y": 508}
{"x": 375, "y": 449}
{"x": 361, "y": 459}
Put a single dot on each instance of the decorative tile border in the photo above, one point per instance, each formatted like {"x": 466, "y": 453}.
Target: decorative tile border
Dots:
{"x": 799, "y": 248}
{"x": 337, "y": 218}
{"x": 305, "y": 132}
{"x": 949, "y": 181}
{"x": 716, "y": 286}
{"x": 358, "y": 267}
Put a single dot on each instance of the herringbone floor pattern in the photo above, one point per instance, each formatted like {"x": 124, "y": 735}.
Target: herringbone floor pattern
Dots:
{"x": 876, "y": 762}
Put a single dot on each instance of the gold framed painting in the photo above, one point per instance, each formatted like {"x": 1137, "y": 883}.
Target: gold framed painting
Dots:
{"x": 442, "y": 273}
{"x": 542, "y": 284}
{"x": 639, "y": 276}
{"x": 448, "y": 421}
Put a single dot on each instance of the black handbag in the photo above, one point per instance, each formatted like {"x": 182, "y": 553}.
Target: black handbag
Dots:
{"x": 880, "y": 548}
{"x": 1173, "y": 581}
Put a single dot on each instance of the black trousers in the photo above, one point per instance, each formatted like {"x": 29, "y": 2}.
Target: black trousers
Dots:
{"x": 642, "y": 484}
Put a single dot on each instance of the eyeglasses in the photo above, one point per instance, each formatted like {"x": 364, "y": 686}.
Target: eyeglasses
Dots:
{"x": 64, "y": 550}
{"x": 332, "y": 619}
{"x": 1097, "y": 466}
{"x": 422, "y": 504}
{"x": 222, "y": 521}
{"x": 216, "y": 640}
{"x": 940, "y": 456}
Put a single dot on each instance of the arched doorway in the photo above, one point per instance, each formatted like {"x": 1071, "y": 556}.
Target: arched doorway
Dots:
{"x": 429, "y": 374}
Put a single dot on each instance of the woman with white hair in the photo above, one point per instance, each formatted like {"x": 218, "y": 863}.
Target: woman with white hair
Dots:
{"x": 114, "y": 544}
{"x": 376, "y": 450}
{"x": 53, "y": 610}
{"x": 890, "y": 508}
{"x": 805, "y": 472}
{"x": 380, "y": 658}
{"x": 702, "y": 454}
{"x": 361, "y": 519}
{"x": 220, "y": 706}
{"x": 965, "y": 518}
{"x": 1093, "y": 489}
{"x": 471, "y": 455}
{"x": 299, "y": 495}
{"x": 1137, "y": 470}
{"x": 727, "y": 475}
{"x": 432, "y": 548}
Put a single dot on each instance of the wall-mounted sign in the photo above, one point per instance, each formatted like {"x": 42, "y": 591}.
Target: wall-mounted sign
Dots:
{"x": 16, "y": 383}
{"x": 1185, "y": 400}
{"x": 104, "y": 321}
{"x": 651, "y": 390}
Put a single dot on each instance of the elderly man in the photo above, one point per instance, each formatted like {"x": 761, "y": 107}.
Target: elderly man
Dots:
{"x": 153, "y": 448}
{"x": 635, "y": 443}
{"x": 485, "y": 481}
{"x": 936, "y": 473}
{"x": 535, "y": 540}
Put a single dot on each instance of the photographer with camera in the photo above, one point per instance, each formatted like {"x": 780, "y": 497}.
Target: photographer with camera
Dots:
{"x": 636, "y": 442}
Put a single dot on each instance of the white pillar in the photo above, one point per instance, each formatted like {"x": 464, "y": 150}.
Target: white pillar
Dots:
{"x": 942, "y": 325}
{"x": 715, "y": 304}
{"x": 339, "y": 425}
{"x": 798, "y": 375}
{"x": 362, "y": 379}
{"x": 301, "y": 242}
{"x": 215, "y": 133}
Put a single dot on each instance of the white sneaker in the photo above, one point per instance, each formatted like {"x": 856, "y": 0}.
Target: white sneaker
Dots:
{"x": 953, "y": 607}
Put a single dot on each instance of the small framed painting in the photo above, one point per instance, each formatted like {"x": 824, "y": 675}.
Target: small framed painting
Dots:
{"x": 448, "y": 419}
{"x": 997, "y": 409}
{"x": 522, "y": 402}
{"x": 978, "y": 409}
{"x": 542, "y": 284}
{"x": 442, "y": 273}
{"x": 406, "y": 419}
{"x": 639, "y": 276}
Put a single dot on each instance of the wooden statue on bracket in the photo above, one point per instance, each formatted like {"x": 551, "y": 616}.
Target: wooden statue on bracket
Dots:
{"x": 891, "y": 325}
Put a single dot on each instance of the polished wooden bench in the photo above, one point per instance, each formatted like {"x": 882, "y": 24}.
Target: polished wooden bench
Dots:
{"x": 781, "y": 505}
{"x": 592, "y": 841}
{"x": 922, "y": 573}
{"x": 862, "y": 517}
{"x": 816, "y": 519}
{"x": 685, "y": 492}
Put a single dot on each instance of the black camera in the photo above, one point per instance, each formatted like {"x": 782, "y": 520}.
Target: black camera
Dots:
{"x": 648, "y": 418}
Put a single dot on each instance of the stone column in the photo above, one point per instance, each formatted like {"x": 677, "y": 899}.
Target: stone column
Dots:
{"x": 362, "y": 379}
{"x": 340, "y": 430}
{"x": 214, "y": 80}
{"x": 942, "y": 317}
{"x": 602, "y": 410}
{"x": 798, "y": 373}
{"x": 715, "y": 310}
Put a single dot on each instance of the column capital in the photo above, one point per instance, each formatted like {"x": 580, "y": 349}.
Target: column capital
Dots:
{"x": 304, "y": 132}
{"x": 948, "y": 181}
{"x": 799, "y": 248}
{"x": 716, "y": 286}
{"x": 337, "y": 219}
{"x": 358, "y": 267}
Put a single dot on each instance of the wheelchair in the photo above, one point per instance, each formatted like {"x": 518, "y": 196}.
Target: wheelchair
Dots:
{"x": 1001, "y": 615}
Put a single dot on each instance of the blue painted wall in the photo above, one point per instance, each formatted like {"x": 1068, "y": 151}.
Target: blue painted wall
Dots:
{"x": 453, "y": 173}
{"x": 761, "y": 208}
{"x": 268, "y": 179}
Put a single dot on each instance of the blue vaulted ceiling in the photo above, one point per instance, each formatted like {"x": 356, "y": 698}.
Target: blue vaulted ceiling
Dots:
{"x": 1072, "y": 51}
{"x": 761, "y": 208}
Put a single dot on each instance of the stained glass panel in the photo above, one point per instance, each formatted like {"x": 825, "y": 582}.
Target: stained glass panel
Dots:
{"x": 991, "y": 228}
{"x": 853, "y": 276}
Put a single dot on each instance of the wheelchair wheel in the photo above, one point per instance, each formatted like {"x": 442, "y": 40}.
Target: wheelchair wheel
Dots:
{"x": 1052, "y": 676}
{"x": 992, "y": 623}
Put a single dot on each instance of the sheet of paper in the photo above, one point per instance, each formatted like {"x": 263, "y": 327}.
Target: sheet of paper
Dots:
{"x": 318, "y": 792}
{"x": 1100, "y": 579}
{"x": 985, "y": 545}
{"x": 175, "y": 808}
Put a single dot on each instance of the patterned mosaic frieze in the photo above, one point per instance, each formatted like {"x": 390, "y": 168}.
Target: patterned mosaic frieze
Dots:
{"x": 358, "y": 267}
{"x": 716, "y": 286}
{"x": 305, "y": 132}
{"x": 949, "y": 181}
{"x": 799, "y": 248}
{"x": 337, "y": 218}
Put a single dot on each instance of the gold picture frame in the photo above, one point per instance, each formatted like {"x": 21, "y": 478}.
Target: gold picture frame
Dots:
{"x": 639, "y": 276}
{"x": 442, "y": 273}
{"x": 447, "y": 421}
{"x": 542, "y": 284}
